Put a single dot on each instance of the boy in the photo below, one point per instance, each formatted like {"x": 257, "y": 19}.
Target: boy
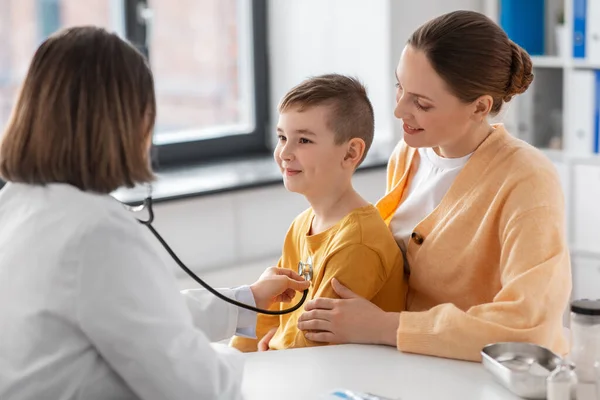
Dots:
{"x": 325, "y": 129}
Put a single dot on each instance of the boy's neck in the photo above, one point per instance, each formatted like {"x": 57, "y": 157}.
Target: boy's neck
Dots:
{"x": 331, "y": 207}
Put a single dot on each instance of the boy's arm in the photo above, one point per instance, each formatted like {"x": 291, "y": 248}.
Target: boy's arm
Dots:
{"x": 357, "y": 267}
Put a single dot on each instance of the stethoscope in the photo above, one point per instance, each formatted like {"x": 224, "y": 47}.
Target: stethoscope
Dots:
{"x": 305, "y": 269}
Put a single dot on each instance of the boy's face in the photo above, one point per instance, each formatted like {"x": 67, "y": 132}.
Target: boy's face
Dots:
{"x": 309, "y": 160}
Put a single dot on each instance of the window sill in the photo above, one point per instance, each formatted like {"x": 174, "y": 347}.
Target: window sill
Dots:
{"x": 228, "y": 176}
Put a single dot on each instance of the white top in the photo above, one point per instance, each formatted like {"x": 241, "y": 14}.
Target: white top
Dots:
{"x": 91, "y": 311}
{"x": 308, "y": 373}
{"x": 433, "y": 178}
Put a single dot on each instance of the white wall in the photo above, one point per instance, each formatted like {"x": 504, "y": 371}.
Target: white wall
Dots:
{"x": 406, "y": 18}
{"x": 311, "y": 37}
{"x": 355, "y": 37}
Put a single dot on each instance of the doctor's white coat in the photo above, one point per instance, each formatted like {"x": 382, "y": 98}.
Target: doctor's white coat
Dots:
{"x": 90, "y": 310}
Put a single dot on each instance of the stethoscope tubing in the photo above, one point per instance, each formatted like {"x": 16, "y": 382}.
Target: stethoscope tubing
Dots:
{"x": 147, "y": 205}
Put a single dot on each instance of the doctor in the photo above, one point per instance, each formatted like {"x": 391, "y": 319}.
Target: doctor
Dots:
{"x": 89, "y": 308}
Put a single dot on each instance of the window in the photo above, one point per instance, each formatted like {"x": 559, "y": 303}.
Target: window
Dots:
{"x": 48, "y": 17}
{"x": 25, "y": 24}
{"x": 208, "y": 59}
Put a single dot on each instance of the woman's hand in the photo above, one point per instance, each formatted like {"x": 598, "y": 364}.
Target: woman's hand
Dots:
{"x": 277, "y": 285}
{"x": 350, "y": 319}
{"x": 263, "y": 345}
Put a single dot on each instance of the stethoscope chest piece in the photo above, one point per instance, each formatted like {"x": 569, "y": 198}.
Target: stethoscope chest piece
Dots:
{"x": 305, "y": 269}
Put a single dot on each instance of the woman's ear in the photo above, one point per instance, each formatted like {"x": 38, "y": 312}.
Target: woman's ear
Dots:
{"x": 483, "y": 107}
{"x": 354, "y": 153}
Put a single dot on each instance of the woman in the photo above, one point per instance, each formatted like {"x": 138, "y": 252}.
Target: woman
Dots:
{"x": 478, "y": 213}
{"x": 90, "y": 310}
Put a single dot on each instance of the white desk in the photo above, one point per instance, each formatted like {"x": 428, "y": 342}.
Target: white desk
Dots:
{"x": 304, "y": 374}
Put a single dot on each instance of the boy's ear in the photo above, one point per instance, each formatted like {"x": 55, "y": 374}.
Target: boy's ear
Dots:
{"x": 354, "y": 153}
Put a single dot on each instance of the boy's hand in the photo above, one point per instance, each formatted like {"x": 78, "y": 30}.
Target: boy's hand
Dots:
{"x": 263, "y": 345}
{"x": 277, "y": 285}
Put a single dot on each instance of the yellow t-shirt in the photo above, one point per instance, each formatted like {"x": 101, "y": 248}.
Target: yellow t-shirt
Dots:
{"x": 359, "y": 251}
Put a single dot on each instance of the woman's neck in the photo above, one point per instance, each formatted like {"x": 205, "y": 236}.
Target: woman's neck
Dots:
{"x": 467, "y": 144}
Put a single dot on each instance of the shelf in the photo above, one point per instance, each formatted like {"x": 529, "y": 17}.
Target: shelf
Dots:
{"x": 554, "y": 154}
{"x": 582, "y": 64}
{"x": 548, "y": 62}
{"x": 584, "y": 253}
{"x": 590, "y": 159}
{"x": 559, "y": 155}
{"x": 560, "y": 62}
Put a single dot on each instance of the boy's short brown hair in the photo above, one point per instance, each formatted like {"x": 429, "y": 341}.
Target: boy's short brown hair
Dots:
{"x": 84, "y": 115}
{"x": 351, "y": 110}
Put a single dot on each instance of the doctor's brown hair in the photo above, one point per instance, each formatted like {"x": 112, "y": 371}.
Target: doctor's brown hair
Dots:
{"x": 474, "y": 56}
{"x": 84, "y": 115}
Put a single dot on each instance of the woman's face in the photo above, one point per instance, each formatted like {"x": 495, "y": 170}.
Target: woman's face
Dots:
{"x": 432, "y": 116}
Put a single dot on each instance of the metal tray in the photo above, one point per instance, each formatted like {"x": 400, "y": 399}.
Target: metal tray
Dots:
{"x": 521, "y": 367}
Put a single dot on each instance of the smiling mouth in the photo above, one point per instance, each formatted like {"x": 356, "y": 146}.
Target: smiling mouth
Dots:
{"x": 291, "y": 172}
{"x": 411, "y": 130}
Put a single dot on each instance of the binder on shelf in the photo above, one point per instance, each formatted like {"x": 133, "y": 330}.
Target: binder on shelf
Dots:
{"x": 536, "y": 116}
{"x": 524, "y": 23}
{"x": 525, "y": 115}
{"x": 586, "y": 30}
{"x": 583, "y": 95}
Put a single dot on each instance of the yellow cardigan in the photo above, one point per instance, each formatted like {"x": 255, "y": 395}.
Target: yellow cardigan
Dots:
{"x": 491, "y": 262}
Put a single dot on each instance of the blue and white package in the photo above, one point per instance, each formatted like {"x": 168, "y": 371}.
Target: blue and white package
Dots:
{"x": 345, "y": 394}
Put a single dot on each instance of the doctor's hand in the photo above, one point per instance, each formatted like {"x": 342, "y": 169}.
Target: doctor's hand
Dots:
{"x": 277, "y": 285}
{"x": 350, "y": 319}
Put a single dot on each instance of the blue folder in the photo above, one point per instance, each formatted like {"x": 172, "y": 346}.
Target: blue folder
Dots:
{"x": 524, "y": 21}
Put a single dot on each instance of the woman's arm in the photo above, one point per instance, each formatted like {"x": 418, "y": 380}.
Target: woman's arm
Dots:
{"x": 129, "y": 307}
{"x": 536, "y": 283}
{"x": 348, "y": 319}
{"x": 201, "y": 303}
{"x": 263, "y": 324}
{"x": 535, "y": 275}
{"x": 275, "y": 286}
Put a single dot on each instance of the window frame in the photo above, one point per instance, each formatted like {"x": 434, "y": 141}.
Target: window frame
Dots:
{"x": 232, "y": 146}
